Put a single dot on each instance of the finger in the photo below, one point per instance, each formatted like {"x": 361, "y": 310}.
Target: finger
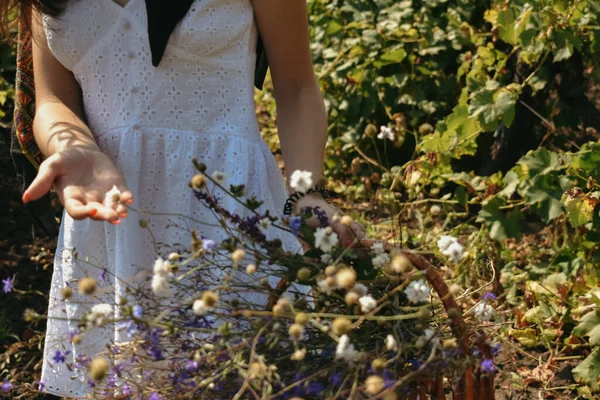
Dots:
{"x": 104, "y": 213}
{"x": 121, "y": 210}
{"x": 78, "y": 210}
{"x": 126, "y": 196}
{"x": 42, "y": 183}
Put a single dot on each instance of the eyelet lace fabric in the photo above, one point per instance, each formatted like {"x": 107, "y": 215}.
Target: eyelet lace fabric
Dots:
{"x": 198, "y": 103}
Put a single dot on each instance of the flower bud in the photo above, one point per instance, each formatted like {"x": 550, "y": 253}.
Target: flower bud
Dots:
{"x": 378, "y": 365}
{"x": 341, "y": 326}
{"x": 143, "y": 223}
{"x": 424, "y": 314}
{"x": 251, "y": 269}
{"x": 352, "y": 298}
{"x": 371, "y": 130}
{"x": 98, "y": 368}
{"x": 301, "y": 318}
{"x": 374, "y": 385}
{"x": 299, "y": 355}
{"x": 295, "y": 331}
{"x": 237, "y": 256}
{"x": 346, "y": 278}
{"x": 174, "y": 257}
{"x": 401, "y": 264}
{"x": 210, "y": 298}
{"x": 304, "y": 274}
{"x": 435, "y": 210}
{"x": 347, "y": 220}
{"x": 198, "y": 182}
{"x": 66, "y": 292}
{"x": 87, "y": 285}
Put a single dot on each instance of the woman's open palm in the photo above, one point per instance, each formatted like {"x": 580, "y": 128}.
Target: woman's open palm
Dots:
{"x": 82, "y": 176}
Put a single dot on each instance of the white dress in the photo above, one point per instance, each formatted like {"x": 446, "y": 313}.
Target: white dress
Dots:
{"x": 198, "y": 103}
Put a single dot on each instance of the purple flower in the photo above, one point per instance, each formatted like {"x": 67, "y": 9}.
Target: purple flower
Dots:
{"x": 314, "y": 389}
{"x": 295, "y": 225}
{"x": 41, "y": 385}
{"x": 8, "y": 284}
{"x": 60, "y": 357}
{"x": 192, "y": 366}
{"x": 7, "y": 386}
{"x": 154, "y": 396}
{"x": 489, "y": 296}
{"x": 137, "y": 311}
{"x": 73, "y": 333}
{"x": 336, "y": 379}
{"x": 496, "y": 348}
{"x": 208, "y": 245}
{"x": 487, "y": 365}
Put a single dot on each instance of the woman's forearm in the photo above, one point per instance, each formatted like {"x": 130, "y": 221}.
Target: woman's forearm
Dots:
{"x": 57, "y": 128}
{"x": 302, "y": 126}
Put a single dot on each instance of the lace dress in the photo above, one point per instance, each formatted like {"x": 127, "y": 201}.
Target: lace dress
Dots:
{"x": 198, "y": 103}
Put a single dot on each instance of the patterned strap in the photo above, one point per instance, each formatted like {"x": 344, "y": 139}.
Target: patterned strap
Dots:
{"x": 25, "y": 99}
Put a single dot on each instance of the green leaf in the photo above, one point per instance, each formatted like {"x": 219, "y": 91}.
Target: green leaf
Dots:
{"x": 502, "y": 226}
{"x": 589, "y": 369}
{"x": 391, "y": 57}
{"x": 580, "y": 207}
{"x": 540, "y": 161}
{"x": 504, "y": 106}
{"x": 506, "y": 24}
{"x": 461, "y": 196}
{"x": 589, "y": 326}
{"x": 565, "y": 44}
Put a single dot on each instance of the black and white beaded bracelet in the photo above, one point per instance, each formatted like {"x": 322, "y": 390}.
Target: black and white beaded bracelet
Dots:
{"x": 294, "y": 197}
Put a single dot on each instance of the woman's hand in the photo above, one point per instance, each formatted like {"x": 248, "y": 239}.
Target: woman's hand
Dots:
{"x": 348, "y": 235}
{"x": 82, "y": 176}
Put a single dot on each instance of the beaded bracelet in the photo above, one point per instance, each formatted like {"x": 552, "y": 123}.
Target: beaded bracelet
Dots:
{"x": 294, "y": 197}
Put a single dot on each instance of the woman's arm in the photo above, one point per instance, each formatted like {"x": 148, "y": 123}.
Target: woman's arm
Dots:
{"x": 302, "y": 119}
{"x": 301, "y": 115}
{"x": 81, "y": 172}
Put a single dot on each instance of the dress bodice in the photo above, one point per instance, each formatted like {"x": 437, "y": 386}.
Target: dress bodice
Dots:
{"x": 203, "y": 83}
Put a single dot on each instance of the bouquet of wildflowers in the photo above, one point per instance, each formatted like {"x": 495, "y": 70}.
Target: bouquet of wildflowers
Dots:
{"x": 341, "y": 321}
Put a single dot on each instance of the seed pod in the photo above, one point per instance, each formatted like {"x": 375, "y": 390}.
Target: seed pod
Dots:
{"x": 378, "y": 365}
{"x": 304, "y": 274}
{"x": 301, "y": 318}
{"x": 341, "y": 326}
{"x": 66, "y": 292}
{"x": 295, "y": 331}
{"x": 87, "y": 285}
{"x": 210, "y": 298}
{"x": 98, "y": 369}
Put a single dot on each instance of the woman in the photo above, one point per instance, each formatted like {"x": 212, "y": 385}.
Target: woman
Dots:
{"x": 105, "y": 117}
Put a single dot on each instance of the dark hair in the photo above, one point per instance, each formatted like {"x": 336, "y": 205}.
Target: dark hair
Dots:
{"x": 15, "y": 11}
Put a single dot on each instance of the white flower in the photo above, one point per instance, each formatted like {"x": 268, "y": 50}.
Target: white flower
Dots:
{"x": 367, "y": 303}
{"x": 450, "y": 247}
{"x": 345, "y": 350}
{"x": 417, "y": 291}
{"x": 445, "y": 241}
{"x": 380, "y": 260}
{"x": 360, "y": 289}
{"x": 386, "y": 133}
{"x": 483, "y": 311}
{"x": 219, "y": 177}
{"x": 326, "y": 239}
{"x": 264, "y": 224}
{"x": 161, "y": 267}
{"x": 301, "y": 181}
{"x": 160, "y": 286}
{"x": 429, "y": 336}
{"x": 378, "y": 248}
{"x": 113, "y": 196}
{"x": 324, "y": 286}
{"x": 390, "y": 343}
{"x": 99, "y": 314}
{"x": 199, "y": 307}
{"x": 455, "y": 252}
{"x": 326, "y": 259}
{"x": 250, "y": 269}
